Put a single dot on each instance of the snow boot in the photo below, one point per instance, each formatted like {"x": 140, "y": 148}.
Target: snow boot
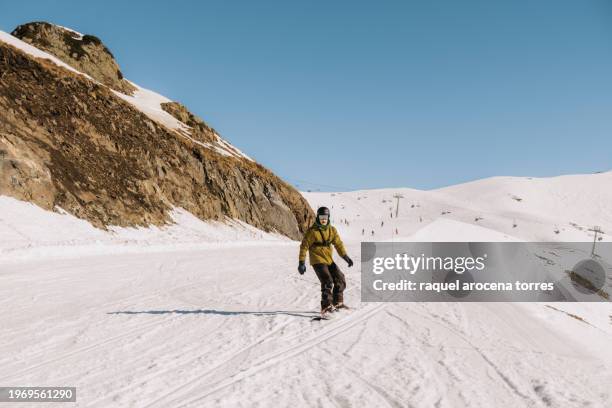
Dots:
{"x": 339, "y": 306}
{"x": 326, "y": 311}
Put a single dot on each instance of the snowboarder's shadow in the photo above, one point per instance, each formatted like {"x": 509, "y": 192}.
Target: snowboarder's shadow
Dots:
{"x": 217, "y": 312}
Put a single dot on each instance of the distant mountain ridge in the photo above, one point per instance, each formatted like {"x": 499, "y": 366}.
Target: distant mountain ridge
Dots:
{"x": 105, "y": 150}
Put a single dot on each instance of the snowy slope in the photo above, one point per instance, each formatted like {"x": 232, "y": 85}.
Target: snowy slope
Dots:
{"x": 29, "y": 232}
{"x": 194, "y": 315}
{"x": 228, "y": 327}
{"x": 532, "y": 209}
{"x": 146, "y": 101}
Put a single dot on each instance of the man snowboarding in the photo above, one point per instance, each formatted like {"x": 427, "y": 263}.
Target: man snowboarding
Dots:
{"x": 317, "y": 241}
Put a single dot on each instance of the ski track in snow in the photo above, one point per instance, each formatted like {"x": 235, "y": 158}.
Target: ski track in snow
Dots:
{"x": 177, "y": 343}
{"x": 132, "y": 323}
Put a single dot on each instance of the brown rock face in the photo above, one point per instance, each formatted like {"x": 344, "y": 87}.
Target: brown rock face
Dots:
{"x": 68, "y": 142}
{"x": 87, "y": 54}
{"x": 200, "y": 130}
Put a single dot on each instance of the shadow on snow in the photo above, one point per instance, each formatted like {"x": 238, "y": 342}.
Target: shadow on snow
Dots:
{"x": 215, "y": 312}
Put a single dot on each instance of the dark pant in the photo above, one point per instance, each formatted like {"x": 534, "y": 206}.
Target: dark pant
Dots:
{"x": 332, "y": 283}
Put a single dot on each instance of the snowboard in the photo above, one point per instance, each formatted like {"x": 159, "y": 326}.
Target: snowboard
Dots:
{"x": 330, "y": 315}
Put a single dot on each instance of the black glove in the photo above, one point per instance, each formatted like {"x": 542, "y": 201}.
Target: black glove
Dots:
{"x": 301, "y": 268}
{"x": 348, "y": 260}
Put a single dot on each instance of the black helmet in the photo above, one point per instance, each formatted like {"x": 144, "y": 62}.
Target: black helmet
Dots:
{"x": 322, "y": 211}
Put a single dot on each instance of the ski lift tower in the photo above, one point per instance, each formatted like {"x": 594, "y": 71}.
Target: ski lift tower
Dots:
{"x": 596, "y": 230}
{"x": 398, "y": 197}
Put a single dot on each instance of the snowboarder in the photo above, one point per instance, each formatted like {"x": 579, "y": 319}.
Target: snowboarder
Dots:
{"x": 317, "y": 241}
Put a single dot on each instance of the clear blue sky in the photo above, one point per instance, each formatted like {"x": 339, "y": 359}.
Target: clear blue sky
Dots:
{"x": 364, "y": 94}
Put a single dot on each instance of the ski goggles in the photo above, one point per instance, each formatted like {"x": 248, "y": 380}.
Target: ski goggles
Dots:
{"x": 323, "y": 217}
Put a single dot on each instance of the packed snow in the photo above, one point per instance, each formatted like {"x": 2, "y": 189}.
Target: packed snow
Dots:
{"x": 208, "y": 314}
{"x": 53, "y": 235}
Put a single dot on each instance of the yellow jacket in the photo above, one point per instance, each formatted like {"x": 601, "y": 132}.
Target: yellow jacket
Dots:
{"x": 318, "y": 241}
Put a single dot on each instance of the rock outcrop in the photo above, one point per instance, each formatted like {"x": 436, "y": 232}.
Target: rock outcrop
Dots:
{"x": 199, "y": 129}
{"x": 86, "y": 53}
{"x": 69, "y": 142}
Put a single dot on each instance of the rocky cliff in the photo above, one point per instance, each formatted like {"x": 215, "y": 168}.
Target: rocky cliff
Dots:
{"x": 86, "y": 53}
{"x": 73, "y": 142}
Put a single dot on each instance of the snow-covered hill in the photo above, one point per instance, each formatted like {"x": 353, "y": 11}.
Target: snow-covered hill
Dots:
{"x": 167, "y": 321}
{"x": 526, "y": 208}
{"x": 497, "y": 209}
{"x": 28, "y": 232}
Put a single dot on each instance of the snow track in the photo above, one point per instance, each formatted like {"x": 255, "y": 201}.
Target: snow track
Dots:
{"x": 277, "y": 355}
{"x": 201, "y": 328}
